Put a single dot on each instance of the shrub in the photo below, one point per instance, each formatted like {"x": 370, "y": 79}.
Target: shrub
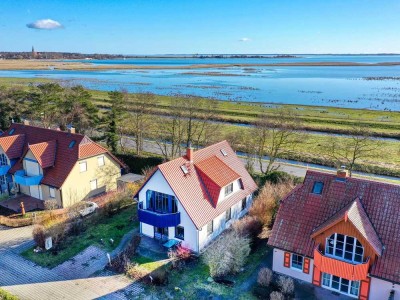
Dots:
{"x": 264, "y": 277}
{"x": 159, "y": 276}
{"x": 286, "y": 284}
{"x": 136, "y": 272}
{"x": 116, "y": 202}
{"x": 276, "y": 296}
{"x": 247, "y": 227}
{"x": 266, "y": 203}
{"x": 57, "y": 232}
{"x": 15, "y": 222}
{"x": 39, "y": 235}
{"x": 227, "y": 255}
{"x": 4, "y": 295}
{"x": 179, "y": 256}
{"x": 122, "y": 261}
{"x": 76, "y": 227}
{"x": 50, "y": 204}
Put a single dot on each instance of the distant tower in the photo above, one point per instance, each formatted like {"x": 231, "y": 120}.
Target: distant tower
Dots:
{"x": 34, "y": 54}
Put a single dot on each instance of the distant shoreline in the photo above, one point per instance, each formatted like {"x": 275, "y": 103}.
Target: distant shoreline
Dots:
{"x": 30, "y": 64}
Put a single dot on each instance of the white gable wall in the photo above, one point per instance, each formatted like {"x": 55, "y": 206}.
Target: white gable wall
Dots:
{"x": 158, "y": 183}
{"x": 278, "y": 266}
{"x": 236, "y": 187}
{"x": 380, "y": 289}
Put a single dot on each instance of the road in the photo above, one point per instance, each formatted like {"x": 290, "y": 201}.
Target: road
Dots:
{"x": 291, "y": 167}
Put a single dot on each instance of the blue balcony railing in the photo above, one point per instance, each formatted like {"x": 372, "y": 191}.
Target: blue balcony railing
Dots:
{"x": 4, "y": 169}
{"x": 158, "y": 219}
{"x": 23, "y": 179}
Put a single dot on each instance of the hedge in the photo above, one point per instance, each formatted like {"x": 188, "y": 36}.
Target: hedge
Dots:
{"x": 137, "y": 164}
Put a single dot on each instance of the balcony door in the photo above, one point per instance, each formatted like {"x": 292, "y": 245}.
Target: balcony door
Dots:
{"x": 36, "y": 191}
{"x": 32, "y": 168}
{"x": 161, "y": 233}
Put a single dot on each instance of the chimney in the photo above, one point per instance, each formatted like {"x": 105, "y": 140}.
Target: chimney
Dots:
{"x": 71, "y": 129}
{"x": 342, "y": 172}
{"x": 189, "y": 152}
{"x": 26, "y": 122}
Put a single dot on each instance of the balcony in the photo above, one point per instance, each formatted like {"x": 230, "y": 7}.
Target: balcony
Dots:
{"x": 4, "y": 169}
{"x": 340, "y": 268}
{"x": 158, "y": 219}
{"x": 23, "y": 179}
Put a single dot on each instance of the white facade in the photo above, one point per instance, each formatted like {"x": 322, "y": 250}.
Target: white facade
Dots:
{"x": 194, "y": 239}
{"x": 278, "y": 266}
{"x": 380, "y": 289}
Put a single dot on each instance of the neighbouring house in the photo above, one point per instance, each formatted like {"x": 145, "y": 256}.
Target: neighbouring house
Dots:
{"x": 53, "y": 164}
{"x": 342, "y": 234}
{"x": 192, "y": 199}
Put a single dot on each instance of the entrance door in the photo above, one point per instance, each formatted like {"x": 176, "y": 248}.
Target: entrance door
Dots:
{"x": 35, "y": 191}
{"x": 161, "y": 233}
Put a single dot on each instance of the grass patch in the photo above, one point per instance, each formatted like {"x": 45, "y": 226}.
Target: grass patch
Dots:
{"x": 4, "y": 295}
{"x": 148, "y": 263}
{"x": 114, "y": 228}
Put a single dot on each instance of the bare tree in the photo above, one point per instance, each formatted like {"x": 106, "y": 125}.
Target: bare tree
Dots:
{"x": 350, "y": 150}
{"x": 276, "y": 137}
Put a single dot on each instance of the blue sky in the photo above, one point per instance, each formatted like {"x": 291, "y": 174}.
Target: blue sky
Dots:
{"x": 202, "y": 26}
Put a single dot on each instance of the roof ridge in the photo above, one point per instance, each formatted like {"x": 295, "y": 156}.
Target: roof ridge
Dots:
{"x": 43, "y": 128}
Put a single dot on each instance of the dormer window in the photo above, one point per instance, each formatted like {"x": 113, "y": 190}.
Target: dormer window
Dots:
{"x": 344, "y": 247}
{"x": 318, "y": 187}
{"x": 229, "y": 189}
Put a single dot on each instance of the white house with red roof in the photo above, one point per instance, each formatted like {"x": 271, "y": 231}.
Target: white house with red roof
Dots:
{"x": 192, "y": 199}
{"x": 342, "y": 234}
{"x": 52, "y": 164}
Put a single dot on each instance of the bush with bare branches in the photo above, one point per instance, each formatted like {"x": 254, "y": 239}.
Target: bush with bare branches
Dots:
{"x": 276, "y": 296}
{"x": 248, "y": 226}
{"x": 286, "y": 284}
{"x": 39, "y": 235}
{"x": 265, "y": 277}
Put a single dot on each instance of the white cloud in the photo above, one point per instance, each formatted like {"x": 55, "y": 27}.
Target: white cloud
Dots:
{"x": 46, "y": 24}
{"x": 245, "y": 39}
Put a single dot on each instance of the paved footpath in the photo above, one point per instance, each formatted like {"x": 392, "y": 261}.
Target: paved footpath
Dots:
{"x": 29, "y": 281}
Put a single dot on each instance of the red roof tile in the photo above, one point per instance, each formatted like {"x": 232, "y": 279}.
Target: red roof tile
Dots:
{"x": 12, "y": 145}
{"x": 68, "y": 150}
{"x": 45, "y": 153}
{"x": 301, "y": 212}
{"x": 194, "y": 194}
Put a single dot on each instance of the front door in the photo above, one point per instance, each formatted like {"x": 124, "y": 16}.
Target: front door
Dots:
{"x": 161, "y": 233}
{"x": 35, "y": 191}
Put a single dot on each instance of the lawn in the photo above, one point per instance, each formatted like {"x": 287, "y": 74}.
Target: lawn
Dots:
{"x": 192, "y": 282}
{"x": 114, "y": 227}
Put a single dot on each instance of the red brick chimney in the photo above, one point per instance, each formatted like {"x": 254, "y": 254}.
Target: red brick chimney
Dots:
{"x": 189, "y": 153}
{"x": 71, "y": 129}
{"x": 26, "y": 122}
{"x": 342, "y": 172}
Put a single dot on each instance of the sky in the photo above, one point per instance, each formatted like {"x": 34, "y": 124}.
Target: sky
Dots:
{"x": 201, "y": 26}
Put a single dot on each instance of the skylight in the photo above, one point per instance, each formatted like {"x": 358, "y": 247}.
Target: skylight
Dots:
{"x": 11, "y": 131}
{"x": 317, "y": 188}
{"x": 184, "y": 169}
{"x": 72, "y": 144}
{"x": 224, "y": 152}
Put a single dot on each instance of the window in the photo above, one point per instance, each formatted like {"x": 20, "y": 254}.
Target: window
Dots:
{"x": 210, "y": 228}
{"x": 297, "y": 262}
{"x": 341, "y": 285}
{"x": 224, "y": 152}
{"x": 318, "y": 187}
{"x": 244, "y": 203}
{"x": 100, "y": 161}
{"x": 3, "y": 160}
{"x": 3, "y": 179}
{"x": 160, "y": 203}
{"x": 93, "y": 184}
{"x": 83, "y": 166}
{"x": 228, "y": 189}
{"x": 72, "y": 144}
{"x": 11, "y": 131}
{"x": 344, "y": 247}
{"x": 180, "y": 232}
{"x": 228, "y": 214}
{"x": 52, "y": 192}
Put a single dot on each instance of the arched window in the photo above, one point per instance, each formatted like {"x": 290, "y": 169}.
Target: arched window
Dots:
{"x": 3, "y": 160}
{"x": 344, "y": 247}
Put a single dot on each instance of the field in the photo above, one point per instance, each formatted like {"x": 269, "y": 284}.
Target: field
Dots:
{"x": 239, "y": 116}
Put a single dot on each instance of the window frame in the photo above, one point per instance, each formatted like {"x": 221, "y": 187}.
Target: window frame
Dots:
{"x": 295, "y": 257}
{"x": 329, "y": 277}
{"x": 81, "y": 163}
{"x": 244, "y": 203}
{"x": 335, "y": 248}
{"x": 3, "y": 179}
{"x": 316, "y": 191}
{"x": 210, "y": 231}
{"x": 228, "y": 214}
{"x": 93, "y": 180}
{"x": 3, "y": 160}
{"x": 103, "y": 159}
{"x": 228, "y": 189}
{"x": 181, "y": 237}
{"x": 52, "y": 194}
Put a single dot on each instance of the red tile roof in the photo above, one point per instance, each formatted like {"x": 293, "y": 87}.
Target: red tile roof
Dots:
{"x": 45, "y": 153}
{"x": 67, "y": 153}
{"x": 194, "y": 194}
{"x": 354, "y": 213}
{"x": 12, "y": 145}
{"x": 301, "y": 213}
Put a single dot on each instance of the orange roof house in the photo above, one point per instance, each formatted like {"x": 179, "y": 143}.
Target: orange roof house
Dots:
{"x": 342, "y": 234}
{"x": 46, "y": 164}
{"x": 195, "y": 197}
